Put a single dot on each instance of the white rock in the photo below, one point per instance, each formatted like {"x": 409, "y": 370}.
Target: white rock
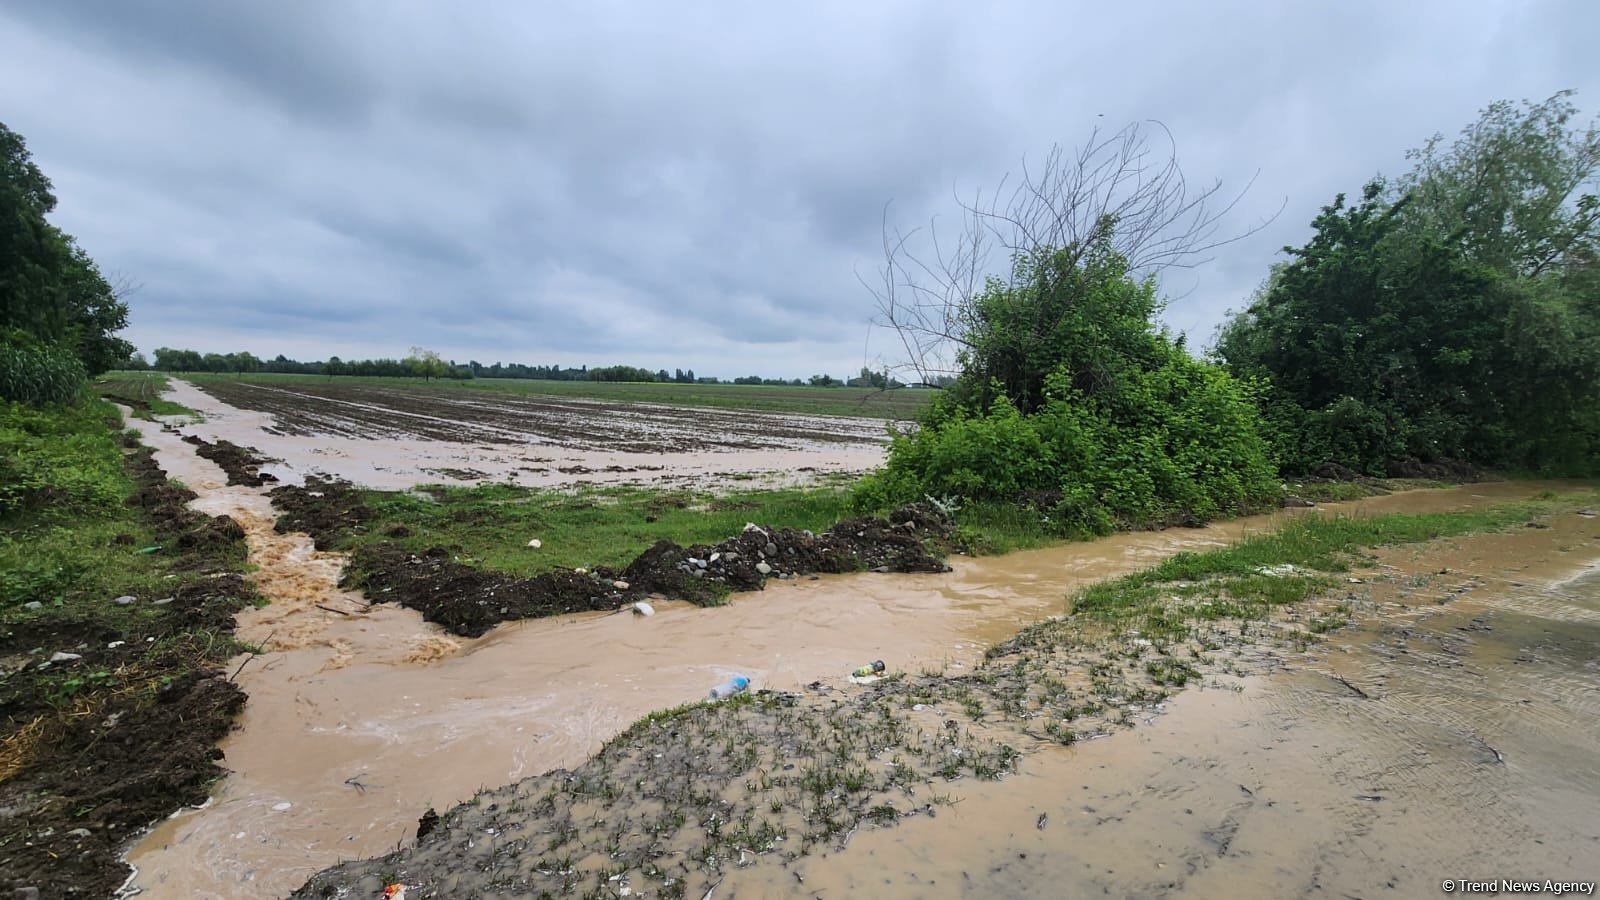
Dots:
{"x": 33, "y": 604}
{"x": 124, "y": 600}
{"x": 115, "y": 644}
{"x": 282, "y": 807}
{"x": 763, "y": 568}
{"x": 62, "y": 656}
{"x": 620, "y": 585}
{"x": 641, "y": 608}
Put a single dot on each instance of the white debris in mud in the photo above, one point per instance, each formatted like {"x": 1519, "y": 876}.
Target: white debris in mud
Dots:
{"x": 535, "y": 543}
{"x": 1279, "y": 571}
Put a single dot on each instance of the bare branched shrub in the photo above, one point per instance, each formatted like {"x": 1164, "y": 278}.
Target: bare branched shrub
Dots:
{"x": 1121, "y": 186}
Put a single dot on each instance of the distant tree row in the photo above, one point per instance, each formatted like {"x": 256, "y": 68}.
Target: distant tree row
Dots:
{"x": 427, "y": 364}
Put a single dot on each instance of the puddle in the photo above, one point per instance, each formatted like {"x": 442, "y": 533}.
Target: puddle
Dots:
{"x": 359, "y": 718}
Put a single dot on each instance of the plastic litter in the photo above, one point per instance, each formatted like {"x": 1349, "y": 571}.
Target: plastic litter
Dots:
{"x": 536, "y": 543}
{"x": 735, "y": 685}
{"x": 394, "y": 892}
{"x": 875, "y": 667}
{"x": 641, "y": 608}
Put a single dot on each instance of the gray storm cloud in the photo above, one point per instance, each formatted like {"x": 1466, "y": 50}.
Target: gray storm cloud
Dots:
{"x": 694, "y": 187}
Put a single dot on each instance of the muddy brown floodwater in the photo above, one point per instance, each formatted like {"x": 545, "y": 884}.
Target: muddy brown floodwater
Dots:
{"x": 362, "y": 716}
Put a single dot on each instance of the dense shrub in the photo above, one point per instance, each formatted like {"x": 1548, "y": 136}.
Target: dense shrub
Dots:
{"x": 1072, "y": 399}
{"x": 1453, "y": 314}
{"x": 37, "y": 373}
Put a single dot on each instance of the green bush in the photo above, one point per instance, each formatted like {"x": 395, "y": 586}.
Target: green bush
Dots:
{"x": 1124, "y": 428}
{"x": 38, "y": 374}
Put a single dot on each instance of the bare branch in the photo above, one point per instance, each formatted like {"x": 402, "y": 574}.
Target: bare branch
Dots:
{"x": 1120, "y": 186}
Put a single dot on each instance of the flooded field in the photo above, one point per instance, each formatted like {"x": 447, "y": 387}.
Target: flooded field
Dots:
{"x": 394, "y": 438}
{"x": 360, "y": 717}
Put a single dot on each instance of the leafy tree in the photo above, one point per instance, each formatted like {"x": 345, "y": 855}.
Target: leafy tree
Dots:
{"x": 1451, "y": 315}
{"x": 49, "y": 288}
{"x": 426, "y": 364}
{"x": 1514, "y": 192}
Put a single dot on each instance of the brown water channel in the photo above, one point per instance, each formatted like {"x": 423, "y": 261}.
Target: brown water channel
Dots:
{"x": 361, "y": 717}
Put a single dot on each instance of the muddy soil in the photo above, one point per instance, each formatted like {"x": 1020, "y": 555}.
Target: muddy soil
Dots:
{"x": 392, "y": 438}
{"x": 358, "y": 410}
{"x": 80, "y": 776}
{"x": 243, "y": 464}
{"x": 467, "y": 601}
{"x": 1387, "y": 761}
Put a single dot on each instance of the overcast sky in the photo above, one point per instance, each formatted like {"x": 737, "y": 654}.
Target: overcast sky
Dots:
{"x": 686, "y": 185}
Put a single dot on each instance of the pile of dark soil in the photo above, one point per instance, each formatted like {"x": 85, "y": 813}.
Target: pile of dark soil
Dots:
{"x": 129, "y": 735}
{"x": 1450, "y": 470}
{"x": 470, "y": 601}
{"x": 324, "y": 508}
{"x": 119, "y": 763}
{"x": 242, "y": 464}
{"x": 204, "y": 543}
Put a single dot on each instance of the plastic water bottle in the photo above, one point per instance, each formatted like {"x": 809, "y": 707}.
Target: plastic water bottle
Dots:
{"x": 870, "y": 669}
{"x": 735, "y": 685}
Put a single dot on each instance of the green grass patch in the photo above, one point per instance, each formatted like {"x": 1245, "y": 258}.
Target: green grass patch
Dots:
{"x": 1287, "y": 565}
{"x": 490, "y": 525}
{"x": 901, "y": 404}
{"x": 144, "y": 389}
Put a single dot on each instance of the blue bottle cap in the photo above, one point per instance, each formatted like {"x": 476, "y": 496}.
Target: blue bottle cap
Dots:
{"x": 741, "y": 681}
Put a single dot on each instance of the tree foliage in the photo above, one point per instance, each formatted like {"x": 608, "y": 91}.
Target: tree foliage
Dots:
{"x": 1063, "y": 391}
{"x": 1450, "y": 315}
{"x": 52, "y": 295}
{"x": 1104, "y": 420}
{"x": 426, "y": 364}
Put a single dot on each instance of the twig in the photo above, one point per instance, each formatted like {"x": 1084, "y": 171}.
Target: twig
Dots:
{"x": 1353, "y": 689}
{"x": 333, "y": 609}
{"x": 251, "y": 655}
{"x": 711, "y": 890}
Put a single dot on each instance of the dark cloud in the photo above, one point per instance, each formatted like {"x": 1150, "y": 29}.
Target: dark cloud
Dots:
{"x": 683, "y": 185}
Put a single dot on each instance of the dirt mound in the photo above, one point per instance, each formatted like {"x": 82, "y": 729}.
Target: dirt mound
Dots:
{"x": 206, "y": 543}
{"x": 123, "y": 762}
{"x": 470, "y": 601}
{"x": 1451, "y": 470}
{"x": 323, "y": 508}
{"x": 242, "y": 464}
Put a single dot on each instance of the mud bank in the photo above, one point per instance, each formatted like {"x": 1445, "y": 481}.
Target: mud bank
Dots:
{"x": 135, "y": 738}
{"x": 1355, "y": 768}
{"x": 468, "y": 601}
